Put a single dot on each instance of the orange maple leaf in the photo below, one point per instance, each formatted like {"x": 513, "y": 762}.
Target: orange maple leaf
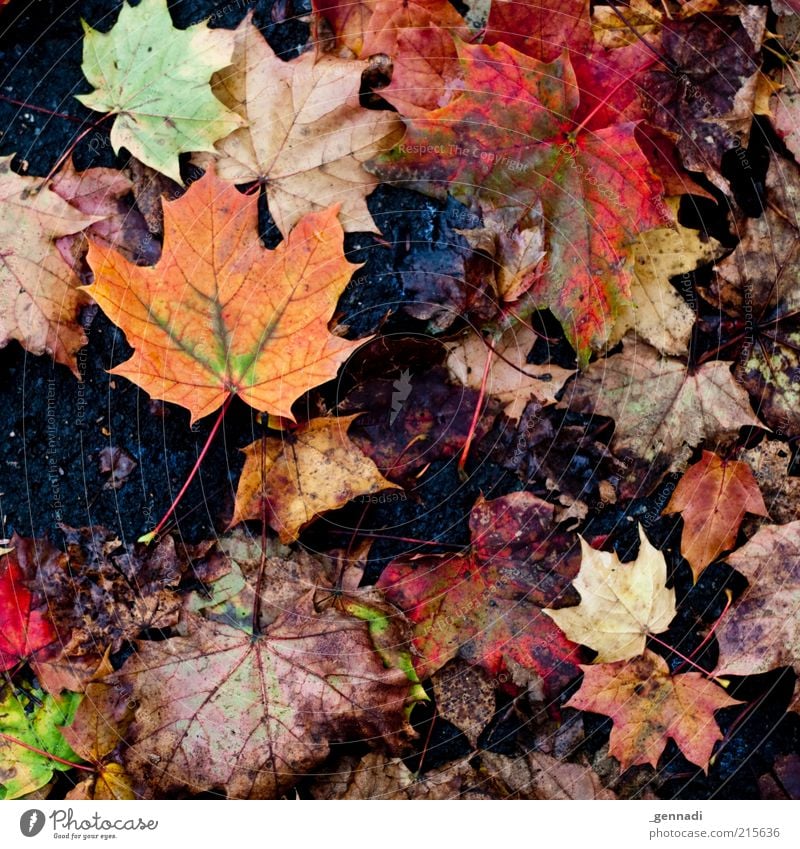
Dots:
{"x": 713, "y": 495}
{"x": 220, "y": 314}
{"x": 648, "y": 705}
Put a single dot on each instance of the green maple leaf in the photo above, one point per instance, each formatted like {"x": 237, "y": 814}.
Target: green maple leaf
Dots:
{"x": 35, "y": 722}
{"x": 155, "y": 78}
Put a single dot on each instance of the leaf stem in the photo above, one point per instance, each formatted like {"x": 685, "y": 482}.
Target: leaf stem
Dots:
{"x": 149, "y": 537}
{"x": 45, "y": 754}
{"x": 476, "y": 415}
{"x": 681, "y": 656}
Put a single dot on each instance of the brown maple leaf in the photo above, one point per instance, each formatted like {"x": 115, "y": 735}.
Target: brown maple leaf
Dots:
{"x": 713, "y": 495}
{"x": 306, "y": 134}
{"x": 39, "y": 294}
{"x": 220, "y": 314}
{"x": 659, "y": 404}
{"x": 224, "y": 709}
{"x": 762, "y": 630}
{"x": 292, "y": 480}
{"x": 648, "y": 706}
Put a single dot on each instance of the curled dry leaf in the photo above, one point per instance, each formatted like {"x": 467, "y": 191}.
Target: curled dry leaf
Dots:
{"x": 762, "y": 630}
{"x": 511, "y": 379}
{"x": 660, "y": 404}
{"x": 39, "y": 295}
{"x": 516, "y": 246}
{"x": 155, "y": 79}
{"x": 648, "y": 706}
{"x": 713, "y": 495}
{"x": 305, "y": 134}
{"x": 417, "y": 36}
{"x": 292, "y": 480}
{"x": 220, "y": 314}
{"x": 621, "y": 603}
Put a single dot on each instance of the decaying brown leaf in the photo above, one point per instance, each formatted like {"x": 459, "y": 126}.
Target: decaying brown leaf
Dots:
{"x": 659, "y": 404}
{"x": 762, "y": 630}
{"x": 464, "y": 697}
{"x": 292, "y": 480}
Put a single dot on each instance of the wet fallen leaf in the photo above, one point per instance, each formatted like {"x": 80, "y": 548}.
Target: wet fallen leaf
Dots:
{"x": 117, "y": 464}
{"x": 106, "y": 593}
{"x": 658, "y": 313}
{"x": 348, "y": 19}
{"x": 536, "y": 775}
{"x": 293, "y": 479}
{"x": 621, "y": 603}
{"x": 502, "y": 151}
{"x": 377, "y": 777}
{"x": 770, "y": 461}
{"x": 760, "y": 632}
{"x": 756, "y": 286}
{"x": 660, "y": 404}
{"x": 226, "y": 709}
{"x": 197, "y": 343}
{"x": 305, "y": 134}
{"x": 485, "y": 605}
{"x": 464, "y": 697}
{"x": 100, "y": 192}
{"x": 155, "y": 79}
{"x": 648, "y": 706}
{"x": 33, "y": 719}
{"x": 413, "y": 421}
{"x": 25, "y": 628}
{"x": 39, "y": 295}
{"x": 712, "y": 496}
{"x": 707, "y": 95}
{"x": 98, "y": 729}
{"x": 418, "y": 38}
{"x": 511, "y": 379}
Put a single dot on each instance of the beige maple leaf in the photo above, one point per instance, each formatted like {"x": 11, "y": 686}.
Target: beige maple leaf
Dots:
{"x": 306, "y": 134}
{"x": 511, "y": 378}
{"x": 621, "y": 603}
{"x": 39, "y": 301}
{"x": 658, "y": 313}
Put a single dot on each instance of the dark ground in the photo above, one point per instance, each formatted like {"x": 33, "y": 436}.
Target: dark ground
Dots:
{"x": 53, "y": 427}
